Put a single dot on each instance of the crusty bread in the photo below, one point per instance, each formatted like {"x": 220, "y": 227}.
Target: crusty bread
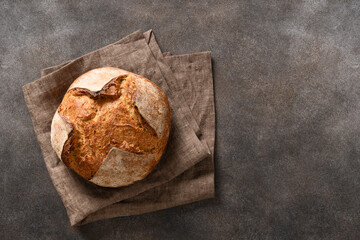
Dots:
{"x": 111, "y": 127}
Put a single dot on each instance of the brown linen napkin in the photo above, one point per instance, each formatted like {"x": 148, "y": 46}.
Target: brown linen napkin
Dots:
{"x": 45, "y": 94}
{"x": 48, "y": 91}
{"x": 197, "y": 183}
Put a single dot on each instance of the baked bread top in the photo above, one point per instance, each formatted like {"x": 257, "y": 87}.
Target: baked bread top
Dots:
{"x": 111, "y": 127}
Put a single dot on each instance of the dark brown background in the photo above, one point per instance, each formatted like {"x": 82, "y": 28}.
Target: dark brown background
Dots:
{"x": 287, "y": 81}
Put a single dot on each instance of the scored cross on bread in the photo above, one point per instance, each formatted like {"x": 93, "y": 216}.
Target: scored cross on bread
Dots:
{"x": 111, "y": 127}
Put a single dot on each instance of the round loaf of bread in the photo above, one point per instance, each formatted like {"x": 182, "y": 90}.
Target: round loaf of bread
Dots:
{"x": 111, "y": 127}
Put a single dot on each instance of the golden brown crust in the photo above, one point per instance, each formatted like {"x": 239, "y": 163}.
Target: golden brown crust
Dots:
{"x": 113, "y": 118}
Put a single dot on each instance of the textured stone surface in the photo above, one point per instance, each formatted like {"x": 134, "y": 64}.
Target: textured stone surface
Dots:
{"x": 288, "y": 115}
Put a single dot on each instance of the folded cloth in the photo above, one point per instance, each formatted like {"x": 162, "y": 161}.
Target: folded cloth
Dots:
{"x": 85, "y": 202}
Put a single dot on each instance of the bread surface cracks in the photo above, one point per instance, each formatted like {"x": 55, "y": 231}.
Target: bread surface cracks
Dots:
{"x": 102, "y": 120}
